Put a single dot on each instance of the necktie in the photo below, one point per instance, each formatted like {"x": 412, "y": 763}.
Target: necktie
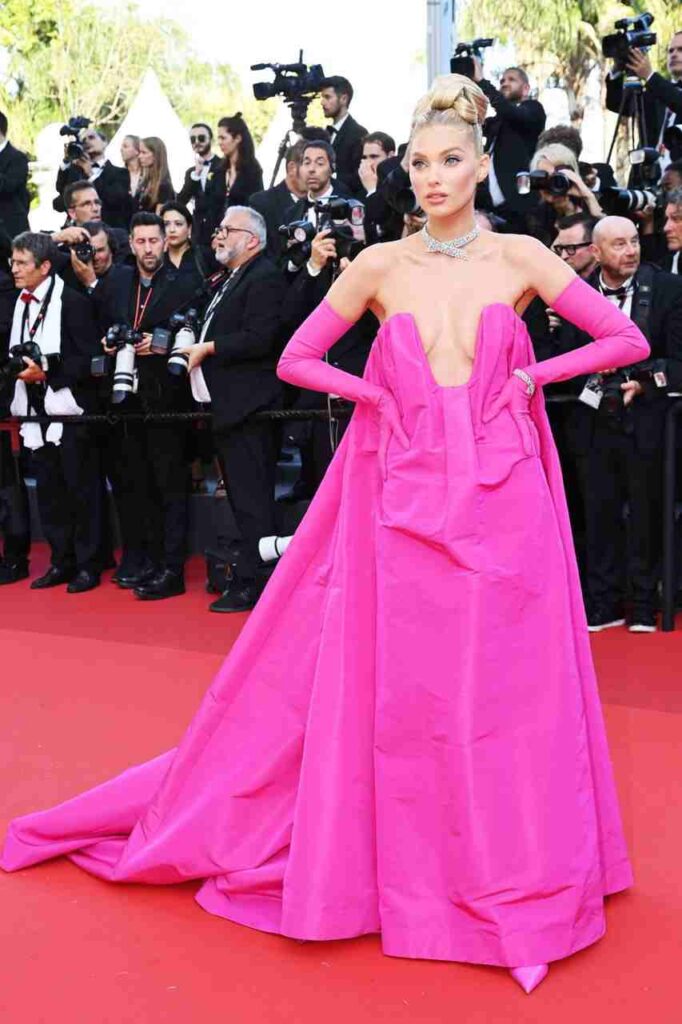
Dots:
{"x": 28, "y": 297}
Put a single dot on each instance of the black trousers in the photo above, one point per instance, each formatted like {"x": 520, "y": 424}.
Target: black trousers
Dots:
{"x": 148, "y": 469}
{"x": 15, "y": 524}
{"x": 69, "y": 493}
{"x": 618, "y": 566}
{"x": 248, "y": 459}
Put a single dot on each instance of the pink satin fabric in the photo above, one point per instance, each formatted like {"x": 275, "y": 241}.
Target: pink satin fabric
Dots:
{"x": 406, "y": 737}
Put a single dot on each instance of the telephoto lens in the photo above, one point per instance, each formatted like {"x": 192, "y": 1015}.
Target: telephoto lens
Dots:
{"x": 185, "y": 327}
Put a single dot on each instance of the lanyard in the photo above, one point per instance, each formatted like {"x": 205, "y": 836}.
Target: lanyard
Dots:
{"x": 140, "y": 308}
{"x": 42, "y": 313}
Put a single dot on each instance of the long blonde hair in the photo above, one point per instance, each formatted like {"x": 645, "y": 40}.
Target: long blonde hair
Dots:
{"x": 453, "y": 100}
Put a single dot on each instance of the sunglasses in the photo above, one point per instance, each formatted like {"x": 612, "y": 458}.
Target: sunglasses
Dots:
{"x": 198, "y": 138}
{"x": 570, "y": 250}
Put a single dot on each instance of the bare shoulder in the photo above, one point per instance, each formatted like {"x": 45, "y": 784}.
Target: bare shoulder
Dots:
{"x": 377, "y": 259}
{"x": 523, "y": 250}
{"x": 539, "y": 269}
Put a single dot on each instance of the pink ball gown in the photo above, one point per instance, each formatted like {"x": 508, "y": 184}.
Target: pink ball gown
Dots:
{"x": 406, "y": 737}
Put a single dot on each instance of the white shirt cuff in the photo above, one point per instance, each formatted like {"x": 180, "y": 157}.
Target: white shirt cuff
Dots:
{"x": 313, "y": 271}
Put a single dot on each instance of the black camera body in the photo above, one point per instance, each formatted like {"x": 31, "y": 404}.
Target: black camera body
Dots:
{"x": 292, "y": 81}
{"x": 337, "y": 215}
{"x": 608, "y": 386}
{"x": 462, "y": 61}
{"x": 556, "y": 183}
{"x": 631, "y": 33}
{"x": 184, "y": 328}
{"x": 624, "y": 201}
{"x": 13, "y": 364}
{"x": 83, "y": 251}
{"x": 123, "y": 338}
{"x": 74, "y": 126}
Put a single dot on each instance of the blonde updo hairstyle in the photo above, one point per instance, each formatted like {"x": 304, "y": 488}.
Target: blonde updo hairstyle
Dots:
{"x": 452, "y": 100}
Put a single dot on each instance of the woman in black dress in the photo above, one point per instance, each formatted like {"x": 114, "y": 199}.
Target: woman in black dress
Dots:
{"x": 240, "y": 174}
{"x": 157, "y": 187}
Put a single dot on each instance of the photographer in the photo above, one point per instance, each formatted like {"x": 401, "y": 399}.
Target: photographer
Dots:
{"x": 662, "y": 98}
{"x": 83, "y": 204}
{"x": 150, "y": 478}
{"x": 564, "y": 194}
{"x": 14, "y": 200}
{"x": 206, "y": 164}
{"x": 55, "y": 333}
{"x": 317, "y": 169}
{"x": 511, "y": 137}
{"x": 275, "y": 204}
{"x": 91, "y": 166}
{"x": 616, "y": 432}
{"x": 345, "y": 134}
{"x": 233, "y": 366}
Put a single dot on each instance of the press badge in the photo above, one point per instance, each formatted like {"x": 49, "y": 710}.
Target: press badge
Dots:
{"x": 593, "y": 392}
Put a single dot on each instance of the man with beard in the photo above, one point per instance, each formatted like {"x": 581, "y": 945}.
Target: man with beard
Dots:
{"x": 233, "y": 367}
{"x": 193, "y": 189}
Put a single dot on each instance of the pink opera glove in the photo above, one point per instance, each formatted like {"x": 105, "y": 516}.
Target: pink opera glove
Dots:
{"x": 302, "y": 364}
{"x": 617, "y": 342}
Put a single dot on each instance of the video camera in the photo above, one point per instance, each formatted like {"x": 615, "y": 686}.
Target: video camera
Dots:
{"x": 462, "y": 63}
{"x": 13, "y": 364}
{"x": 74, "y": 126}
{"x": 630, "y": 34}
{"x": 343, "y": 218}
{"x": 292, "y": 81}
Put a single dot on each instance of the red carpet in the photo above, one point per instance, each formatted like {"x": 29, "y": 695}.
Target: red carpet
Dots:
{"x": 91, "y": 683}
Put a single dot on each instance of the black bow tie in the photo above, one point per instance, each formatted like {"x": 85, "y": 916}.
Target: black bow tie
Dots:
{"x": 331, "y": 130}
{"x": 619, "y": 293}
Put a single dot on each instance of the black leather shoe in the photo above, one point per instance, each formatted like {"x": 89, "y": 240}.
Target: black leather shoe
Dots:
{"x": 240, "y": 596}
{"x": 165, "y": 584}
{"x": 83, "y": 581}
{"x": 54, "y": 577}
{"x": 12, "y": 572}
{"x": 135, "y": 579}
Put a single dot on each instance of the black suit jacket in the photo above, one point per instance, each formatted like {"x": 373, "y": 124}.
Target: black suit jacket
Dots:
{"x": 112, "y": 186}
{"x": 660, "y": 95}
{"x": 14, "y": 200}
{"x": 513, "y": 134}
{"x": 192, "y": 190}
{"x": 347, "y": 145}
{"x": 217, "y": 200}
{"x": 173, "y": 291}
{"x": 276, "y": 205}
{"x": 246, "y": 327}
{"x": 645, "y": 417}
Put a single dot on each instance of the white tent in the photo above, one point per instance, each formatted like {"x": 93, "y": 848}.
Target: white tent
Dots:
{"x": 152, "y": 114}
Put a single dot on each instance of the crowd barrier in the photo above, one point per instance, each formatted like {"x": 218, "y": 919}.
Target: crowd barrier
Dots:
{"x": 669, "y": 566}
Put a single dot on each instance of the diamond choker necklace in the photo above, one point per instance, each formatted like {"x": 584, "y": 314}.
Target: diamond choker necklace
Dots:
{"x": 454, "y": 246}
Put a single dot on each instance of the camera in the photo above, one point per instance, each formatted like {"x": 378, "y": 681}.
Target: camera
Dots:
{"x": 74, "y": 126}
{"x": 614, "y": 200}
{"x": 672, "y": 140}
{"x": 292, "y": 81}
{"x": 83, "y": 251}
{"x": 13, "y": 364}
{"x": 603, "y": 391}
{"x": 185, "y": 328}
{"x": 398, "y": 192}
{"x": 343, "y": 218}
{"x": 123, "y": 338}
{"x": 557, "y": 183}
{"x": 631, "y": 33}
{"x": 462, "y": 63}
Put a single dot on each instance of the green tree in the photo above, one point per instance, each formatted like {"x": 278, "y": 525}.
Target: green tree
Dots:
{"x": 562, "y": 38}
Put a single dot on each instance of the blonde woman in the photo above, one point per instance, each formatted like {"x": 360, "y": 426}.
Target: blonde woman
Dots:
{"x": 157, "y": 187}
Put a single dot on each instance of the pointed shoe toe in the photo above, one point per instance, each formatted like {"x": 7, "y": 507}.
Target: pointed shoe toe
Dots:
{"x": 529, "y": 977}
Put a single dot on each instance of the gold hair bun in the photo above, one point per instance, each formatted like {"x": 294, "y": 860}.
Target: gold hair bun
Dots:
{"x": 454, "y": 92}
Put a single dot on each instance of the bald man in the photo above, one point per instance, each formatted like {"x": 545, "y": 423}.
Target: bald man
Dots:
{"x": 615, "y": 434}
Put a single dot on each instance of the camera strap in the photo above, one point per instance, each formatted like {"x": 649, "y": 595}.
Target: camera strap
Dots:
{"x": 42, "y": 313}
{"x": 640, "y": 313}
{"x": 140, "y": 307}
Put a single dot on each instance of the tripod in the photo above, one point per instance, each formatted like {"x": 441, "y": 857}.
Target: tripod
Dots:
{"x": 632, "y": 113}
{"x": 299, "y": 112}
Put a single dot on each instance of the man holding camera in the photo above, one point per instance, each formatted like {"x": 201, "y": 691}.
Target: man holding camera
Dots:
{"x": 54, "y": 335}
{"x": 662, "y": 98}
{"x": 91, "y": 166}
{"x": 275, "y": 204}
{"x": 511, "y": 137}
{"x": 233, "y": 366}
{"x": 345, "y": 134}
{"x": 151, "y": 483}
{"x": 616, "y": 432}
